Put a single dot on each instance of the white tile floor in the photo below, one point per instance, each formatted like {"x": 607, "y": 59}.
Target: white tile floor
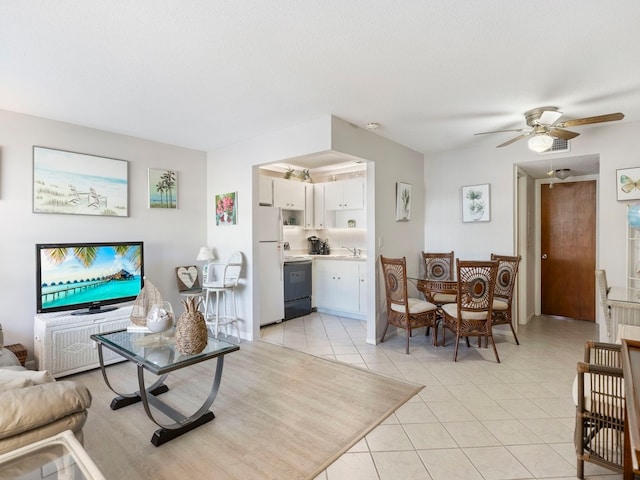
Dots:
{"x": 475, "y": 419}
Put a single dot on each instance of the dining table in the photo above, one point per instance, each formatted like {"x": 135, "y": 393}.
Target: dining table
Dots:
{"x": 438, "y": 292}
{"x": 432, "y": 287}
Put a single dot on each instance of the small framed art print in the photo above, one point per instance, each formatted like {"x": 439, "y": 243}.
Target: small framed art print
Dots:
{"x": 476, "y": 203}
{"x": 628, "y": 184}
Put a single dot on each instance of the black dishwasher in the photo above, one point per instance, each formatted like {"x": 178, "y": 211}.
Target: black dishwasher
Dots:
{"x": 297, "y": 289}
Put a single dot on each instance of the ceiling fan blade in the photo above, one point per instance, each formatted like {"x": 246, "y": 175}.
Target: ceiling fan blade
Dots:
{"x": 611, "y": 117}
{"x": 549, "y": 117}
{"x": 560, "y": 133}
{"x": 513, "y": 140}
{"x": 501, "y": 131}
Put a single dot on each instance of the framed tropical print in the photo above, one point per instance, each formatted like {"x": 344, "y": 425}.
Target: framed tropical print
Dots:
{"x": 79, "y": 183}
{"x": 163, "y": 188}
{"x": 476, "y": 203}
{"x": 403, "y": 202}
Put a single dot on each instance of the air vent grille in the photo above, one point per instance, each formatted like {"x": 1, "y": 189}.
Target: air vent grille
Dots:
{"x": 559, "y": 145}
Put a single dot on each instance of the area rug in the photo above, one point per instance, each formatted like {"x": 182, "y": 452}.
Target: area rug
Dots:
{"x": 280, "y": 414}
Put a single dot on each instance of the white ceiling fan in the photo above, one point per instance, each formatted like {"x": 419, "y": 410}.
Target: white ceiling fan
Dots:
{"x": 543, "y": 126}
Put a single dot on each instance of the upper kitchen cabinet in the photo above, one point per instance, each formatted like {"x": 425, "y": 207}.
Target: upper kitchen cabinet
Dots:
{"x": 344, "y": 195}
{"x": 318, "y": 207}
{"x": 288, "y": 194}
{"x": 265, "y": 190}
{"x": 308, "y": 209}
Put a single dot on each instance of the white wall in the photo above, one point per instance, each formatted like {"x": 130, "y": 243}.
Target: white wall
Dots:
{"x": 390, "y": 163}
{"x": 232, "y": 169}
{"x": 171, "y": 237}
{"x": 445, "y": 174}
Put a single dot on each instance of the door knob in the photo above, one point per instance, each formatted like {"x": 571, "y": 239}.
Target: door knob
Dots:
{"x": 544, "y": 256}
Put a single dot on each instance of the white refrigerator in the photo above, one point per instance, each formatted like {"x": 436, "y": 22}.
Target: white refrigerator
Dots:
{"x": 270, "y": 263}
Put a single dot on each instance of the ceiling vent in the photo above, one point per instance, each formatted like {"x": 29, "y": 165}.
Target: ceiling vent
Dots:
{"x": 559, "y": 145}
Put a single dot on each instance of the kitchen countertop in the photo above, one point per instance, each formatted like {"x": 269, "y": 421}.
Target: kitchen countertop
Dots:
{"x": 337, "y": 256}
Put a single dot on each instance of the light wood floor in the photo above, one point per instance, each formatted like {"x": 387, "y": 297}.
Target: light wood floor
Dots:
{"x": 280, "y": 414}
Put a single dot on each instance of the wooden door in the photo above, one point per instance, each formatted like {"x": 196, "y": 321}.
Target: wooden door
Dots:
{"x": 568, "y": 247}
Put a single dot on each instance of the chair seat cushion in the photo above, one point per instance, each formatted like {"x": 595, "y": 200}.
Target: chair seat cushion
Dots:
{"x": 451, "y": 309}
{"x": 444, "y": 298}
{"x": 499, "y": 304}
{"x": 608, "y": 399}
{"x": 217, "y": 285}
{"x": 415, "y": 306}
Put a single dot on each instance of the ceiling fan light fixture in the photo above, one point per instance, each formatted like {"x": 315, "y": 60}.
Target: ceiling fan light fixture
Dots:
{"x": 540, "y": 142}
{"x": 563, "y": 173}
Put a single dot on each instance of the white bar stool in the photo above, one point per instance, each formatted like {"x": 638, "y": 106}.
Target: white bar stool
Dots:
{"x": 226, "y": 283}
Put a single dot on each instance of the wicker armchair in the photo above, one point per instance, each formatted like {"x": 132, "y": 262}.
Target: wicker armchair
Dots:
{"x": 502, "y": 313}
{"x": 402, "y": 310}
{"x": 470, "y": 316}
{"x": 600, "y": 406}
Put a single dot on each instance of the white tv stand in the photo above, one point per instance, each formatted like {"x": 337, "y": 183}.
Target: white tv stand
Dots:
{"x": 62, "y": 344}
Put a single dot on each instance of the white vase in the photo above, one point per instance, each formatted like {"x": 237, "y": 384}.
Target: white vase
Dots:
{"x": 160, "y": 317}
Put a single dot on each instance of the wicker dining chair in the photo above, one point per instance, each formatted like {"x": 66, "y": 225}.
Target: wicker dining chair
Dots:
{"x": 600, "y": 405}
{"x": 502, "y": 313}
{"x": 438, "y": 266}
{"x": 404, "y": 311}
{"x": 470, "y": 316}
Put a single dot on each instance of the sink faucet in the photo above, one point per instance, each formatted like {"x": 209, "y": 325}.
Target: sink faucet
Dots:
{"x": 354, "y": 250}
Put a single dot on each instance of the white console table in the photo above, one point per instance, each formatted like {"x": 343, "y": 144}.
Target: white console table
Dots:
{"x": 62, "y": 343}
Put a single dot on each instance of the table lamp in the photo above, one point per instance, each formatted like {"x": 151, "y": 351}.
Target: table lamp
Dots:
{"x": 205, "y": 255}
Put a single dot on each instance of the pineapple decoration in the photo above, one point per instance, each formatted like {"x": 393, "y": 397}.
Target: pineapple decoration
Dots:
{"x": 191, "y": 329}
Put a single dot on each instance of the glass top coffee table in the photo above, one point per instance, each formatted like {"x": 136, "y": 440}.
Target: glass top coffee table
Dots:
{"x": 60, "y": 456}
{"x": 159, "y": 356}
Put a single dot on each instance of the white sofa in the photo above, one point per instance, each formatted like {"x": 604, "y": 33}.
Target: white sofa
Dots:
{"x": 35, "y": 406}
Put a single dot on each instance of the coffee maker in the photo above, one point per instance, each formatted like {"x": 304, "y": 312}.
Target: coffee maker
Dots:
{"x": 315, "y": 245}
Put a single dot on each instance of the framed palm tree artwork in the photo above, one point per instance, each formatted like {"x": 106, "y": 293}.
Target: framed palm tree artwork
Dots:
{"x": 163, "y": 188}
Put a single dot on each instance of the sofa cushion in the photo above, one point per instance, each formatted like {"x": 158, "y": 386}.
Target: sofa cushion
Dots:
{"x": 28, "y": 408}
{"x": 14, "y": 383}
{"x": 8, "y": 374}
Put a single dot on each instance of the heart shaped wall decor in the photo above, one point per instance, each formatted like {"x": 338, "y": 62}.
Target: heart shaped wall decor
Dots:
{"x": 188, "y": 275}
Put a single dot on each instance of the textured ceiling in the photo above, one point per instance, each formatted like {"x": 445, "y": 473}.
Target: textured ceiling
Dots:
{"x": 205, "y": 74}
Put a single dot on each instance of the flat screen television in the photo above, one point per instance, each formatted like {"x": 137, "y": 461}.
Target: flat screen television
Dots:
{"x": 87, "y": 278}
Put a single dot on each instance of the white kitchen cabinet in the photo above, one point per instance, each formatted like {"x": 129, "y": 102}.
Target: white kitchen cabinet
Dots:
{"x": 308, "y": 206}
{"x": 265, "y": 190}
{"x": 344, "y": 195}
{"x": 340, "y": 285}
{"x": 318, "y": 207}
{"x": 362, "y": 287}
{"x": 288, "y": 194}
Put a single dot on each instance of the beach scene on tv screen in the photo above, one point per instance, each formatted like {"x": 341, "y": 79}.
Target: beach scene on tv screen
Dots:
{"x": 71, "y": 276}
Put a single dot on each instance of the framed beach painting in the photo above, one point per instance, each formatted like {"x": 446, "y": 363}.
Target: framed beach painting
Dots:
{"x": 476, "y": 203}
{"x": 403, "y": 202}
{"x": 628, "y": 184}
{"x": 79, "y": 183}
{"x": 227, "y": 208}
{"x": 163, "y": 188}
